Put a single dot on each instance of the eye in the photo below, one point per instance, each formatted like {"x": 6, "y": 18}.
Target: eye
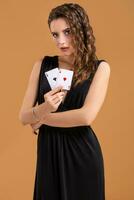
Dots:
{"x": 67, "y": 32}
{"x": 54, "y": 35}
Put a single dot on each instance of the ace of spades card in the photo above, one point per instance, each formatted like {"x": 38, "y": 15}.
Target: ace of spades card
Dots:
{"x": 52, "y": 77}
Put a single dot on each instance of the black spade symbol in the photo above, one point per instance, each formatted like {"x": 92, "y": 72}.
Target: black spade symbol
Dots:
{"x": 54, "y": 78}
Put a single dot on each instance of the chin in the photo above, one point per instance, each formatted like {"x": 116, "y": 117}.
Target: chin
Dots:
{"x": 67, "y": 53}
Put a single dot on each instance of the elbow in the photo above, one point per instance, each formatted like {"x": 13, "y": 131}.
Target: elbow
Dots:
{"x": 85, "y": 118}
{"x": 88, "y": 122}
{"x": 22, "y": 119}
{"x": 88, "y": 119}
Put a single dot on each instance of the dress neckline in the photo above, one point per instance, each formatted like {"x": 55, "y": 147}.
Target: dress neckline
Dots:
{"x": 57, "y": 59}
{"x": 57, "y": 65}
{"x": 69, "y": 91}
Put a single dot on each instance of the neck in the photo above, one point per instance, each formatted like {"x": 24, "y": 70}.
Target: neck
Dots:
{"x": 68, "y": 59}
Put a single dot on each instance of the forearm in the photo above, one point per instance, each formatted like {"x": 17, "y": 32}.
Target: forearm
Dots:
{"x": 28, "y": 117}
{"x": 70, "y": 118}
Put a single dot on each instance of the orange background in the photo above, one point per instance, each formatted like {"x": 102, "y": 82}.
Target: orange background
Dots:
{"x": 24, "y": 38}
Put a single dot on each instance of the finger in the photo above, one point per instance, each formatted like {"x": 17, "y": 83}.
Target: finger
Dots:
{"x": 34, "y": 132}
{"x": 33, "y": 126}
{"x": 57, "y": 96}
{"x": 58, "y": 103}
{"x": 36, "y": 127}
{"x": 55, "y": 90}
{"x": 57, "y": 99}
{"x": 33, "y": 129}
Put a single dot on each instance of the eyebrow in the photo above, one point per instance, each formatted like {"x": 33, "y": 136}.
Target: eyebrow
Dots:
{"x": 62, "y": 30}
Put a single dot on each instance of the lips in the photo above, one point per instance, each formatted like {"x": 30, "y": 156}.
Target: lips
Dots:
{"x": 64, "y": 48}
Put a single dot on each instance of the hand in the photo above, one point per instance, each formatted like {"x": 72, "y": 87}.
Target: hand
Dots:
{"x": 53, "y": 98}
{"x": 35, "y": 126}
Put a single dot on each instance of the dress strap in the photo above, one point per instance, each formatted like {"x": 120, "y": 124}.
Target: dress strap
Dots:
{"x": 46, "y": 63}
{"x": 97, "y": 65}
{"x": 99, "y": 61}
{"x": 45, "y": 66}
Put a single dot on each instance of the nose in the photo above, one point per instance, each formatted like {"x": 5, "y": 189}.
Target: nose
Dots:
{"x": 61, "y": 39}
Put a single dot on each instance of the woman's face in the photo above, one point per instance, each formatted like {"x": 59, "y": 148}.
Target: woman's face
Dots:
{"x": 62, "y": 36}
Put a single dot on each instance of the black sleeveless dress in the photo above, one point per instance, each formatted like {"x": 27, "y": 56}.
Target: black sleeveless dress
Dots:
{"x": 69, "y": 159}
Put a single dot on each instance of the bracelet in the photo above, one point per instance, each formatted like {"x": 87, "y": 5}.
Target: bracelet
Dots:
{"x": 34, "y": 114}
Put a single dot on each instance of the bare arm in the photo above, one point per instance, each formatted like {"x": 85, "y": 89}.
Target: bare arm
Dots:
{"x": 97, "y": 93}
{"x": 93, "y": 103}
{"x": 69, "y": 118}
{"x": 26, "y": 115}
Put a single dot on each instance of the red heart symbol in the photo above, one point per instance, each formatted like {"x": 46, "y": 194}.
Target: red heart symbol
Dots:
{"x": 64, "y": 78}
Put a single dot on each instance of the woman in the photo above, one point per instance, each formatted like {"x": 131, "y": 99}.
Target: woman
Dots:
{"x": 69, "y": 157}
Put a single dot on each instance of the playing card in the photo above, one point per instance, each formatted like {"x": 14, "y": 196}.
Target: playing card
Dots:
{"x": 64, "y": 78}
{"x": 52, "y": 77}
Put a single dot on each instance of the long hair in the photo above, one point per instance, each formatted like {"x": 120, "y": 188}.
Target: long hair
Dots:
{"x": 84, "y": 40}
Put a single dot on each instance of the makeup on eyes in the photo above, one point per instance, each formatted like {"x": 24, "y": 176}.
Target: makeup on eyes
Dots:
{"x": 67, "y": 30}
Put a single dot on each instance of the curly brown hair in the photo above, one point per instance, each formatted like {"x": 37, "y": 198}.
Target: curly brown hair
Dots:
{"x": 84, "y": 40}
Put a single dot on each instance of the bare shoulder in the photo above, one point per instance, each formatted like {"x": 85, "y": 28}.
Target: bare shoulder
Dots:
{"x": 37, "y": 64}
{"x": 36, "y": 69}
{"x": 104, "y": 68}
